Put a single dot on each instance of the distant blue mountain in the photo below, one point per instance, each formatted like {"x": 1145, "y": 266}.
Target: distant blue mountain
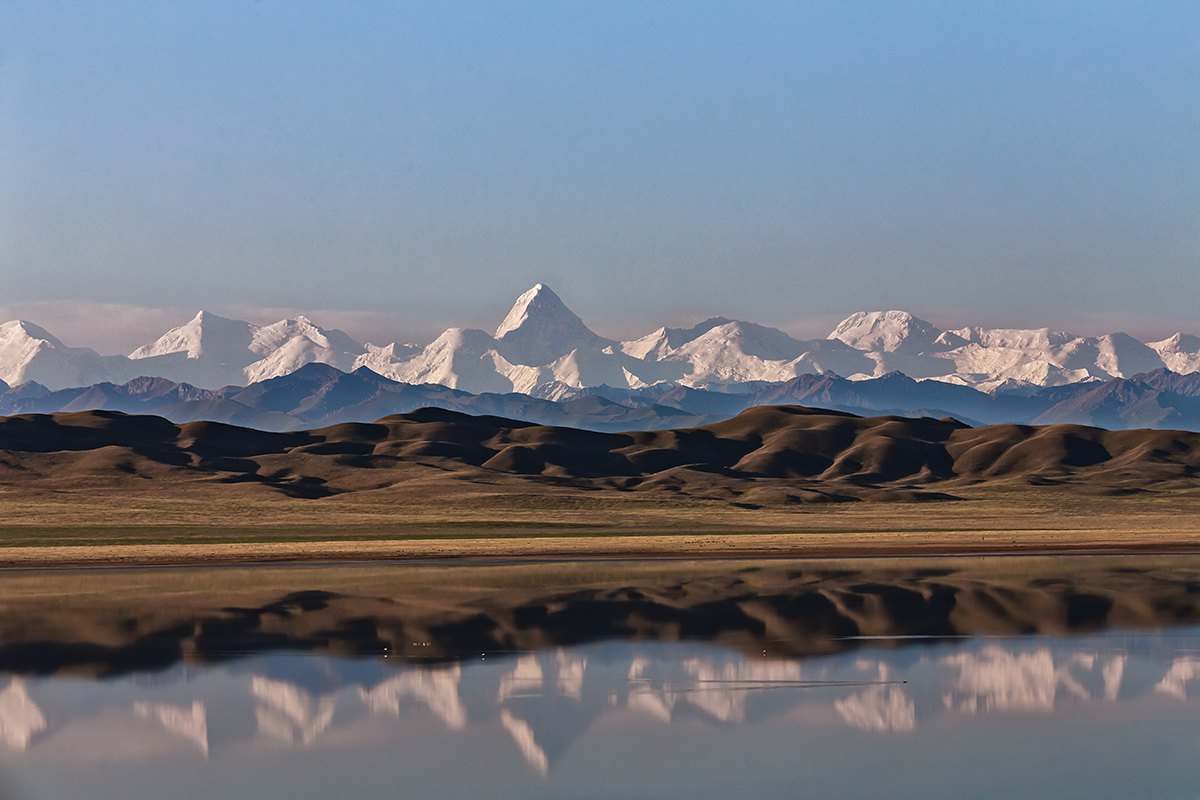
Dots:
{"x": 318, "y": 395}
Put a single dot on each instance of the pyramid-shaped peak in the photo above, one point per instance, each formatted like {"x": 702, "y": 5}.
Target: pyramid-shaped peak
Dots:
{"x": 540, "y": 328}
{"x": 209, "y": 318}
{"x": 539, "y": 306}
{"x": 21, "y": 329}
{"x": 204, "y": 333}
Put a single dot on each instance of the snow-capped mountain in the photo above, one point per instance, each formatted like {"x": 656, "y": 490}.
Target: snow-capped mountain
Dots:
{"x": 887, "y": 332}
{"x": 28, "y": 353}
{"x": 540, "y": 330}
{"x": 542, "y": 348}
{"x": 722, "y": 352}
{"x": 1181, "y": 352}
{"x": 215, "y": 351}
{"x": 991, "y": 358}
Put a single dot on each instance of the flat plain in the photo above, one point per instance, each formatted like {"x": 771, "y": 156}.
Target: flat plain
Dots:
{"x": 108, "y": 488}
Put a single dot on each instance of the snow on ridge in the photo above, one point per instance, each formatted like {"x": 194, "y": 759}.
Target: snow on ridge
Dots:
{"x": 211, "y": 350}
{"x": 542, "y": 348}
{"x": 540, "y": 329}
{"x": 519, "y": 313}
{"x": 1016, "y": 338}
{"x": 663, "y": 340}
{"x": 30, "y": 353}
{"x": 1180, "y": 352}
{"x": 205, "y": 332}
{"x": 885, "y": 330}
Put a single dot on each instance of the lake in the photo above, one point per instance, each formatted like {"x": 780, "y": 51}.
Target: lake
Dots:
{"x": 1002, "y": 677}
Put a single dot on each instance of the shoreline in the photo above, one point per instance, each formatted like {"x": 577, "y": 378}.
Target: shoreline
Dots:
{"x": 627, "y": 547}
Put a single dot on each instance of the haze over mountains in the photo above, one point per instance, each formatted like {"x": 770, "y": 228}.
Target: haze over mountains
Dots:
{"x": 318, "y": 395}
{"x": 543, "y": 349}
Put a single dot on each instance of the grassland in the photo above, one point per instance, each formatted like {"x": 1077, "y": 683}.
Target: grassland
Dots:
{"x": 96, "y": 488}
{"x": 82, "y": 529}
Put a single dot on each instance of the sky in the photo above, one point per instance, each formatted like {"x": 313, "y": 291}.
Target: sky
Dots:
{"x": 396, "y": 168}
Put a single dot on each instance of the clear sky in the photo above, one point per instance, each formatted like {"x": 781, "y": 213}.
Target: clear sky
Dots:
{"x": 396, "y": 168}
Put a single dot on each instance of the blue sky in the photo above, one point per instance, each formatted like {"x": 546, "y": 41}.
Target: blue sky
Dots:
{"x": 395, "y": 168}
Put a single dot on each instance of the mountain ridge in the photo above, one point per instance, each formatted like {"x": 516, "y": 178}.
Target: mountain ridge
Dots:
{"x": 543, "y": 349}
{"x": 321, "y": 394}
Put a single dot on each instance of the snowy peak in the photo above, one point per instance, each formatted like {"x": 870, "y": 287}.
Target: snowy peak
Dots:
{"x": 1015, "y": 338}
{"x": 1179, "y": 343}
{"x": 664, "y": 340}
{"x": 206, "y": 334}
{"x": 289, "y": 344}
{"x": 29, "y": 353}
{"x": 19, "y": 336}
{"x": 540, "y": 329}
{"x": 213, "y": 351}
{"x": 270, "y": 338}
{"x": 538, "y": 305}
{"x": 1121, "y": 355}
{"x": 1181, "y": 352}
{"x": 461, "y": 358}
{"x": 886, "y": 331}
{"x": 543, "y": 349}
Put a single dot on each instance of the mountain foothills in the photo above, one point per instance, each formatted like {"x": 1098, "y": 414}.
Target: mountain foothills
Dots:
{"x": 769, "y": 456}
{"x": 543, "y": 349}
{"x": 319, "y": 395}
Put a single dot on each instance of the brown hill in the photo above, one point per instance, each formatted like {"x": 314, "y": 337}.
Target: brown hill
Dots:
{"x": 765, "y": 456}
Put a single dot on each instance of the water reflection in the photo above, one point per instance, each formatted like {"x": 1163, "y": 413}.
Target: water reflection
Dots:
{"x": 545, "y": 703}
{"x": 189, "y": 723}
{"x": 769, "y": 694}
{"x": 436, "y": 688}
{"x": 20, "y": 717}
{"x": 1182, "y": 671}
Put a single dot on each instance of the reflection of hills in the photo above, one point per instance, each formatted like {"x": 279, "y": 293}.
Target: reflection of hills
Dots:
{"x": 787, "y": 609}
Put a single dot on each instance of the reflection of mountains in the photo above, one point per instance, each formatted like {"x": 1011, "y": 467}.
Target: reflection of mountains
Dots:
{"x": 789, "y": 609}
{"x": 544, "y": 702}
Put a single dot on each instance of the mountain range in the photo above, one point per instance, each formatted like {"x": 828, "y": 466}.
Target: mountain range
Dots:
{"x": 543, "y": 350}
{"x": 320, "y": 395}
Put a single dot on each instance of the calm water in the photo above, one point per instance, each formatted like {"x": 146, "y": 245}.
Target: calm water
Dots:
{"x": 1112, "y": 712}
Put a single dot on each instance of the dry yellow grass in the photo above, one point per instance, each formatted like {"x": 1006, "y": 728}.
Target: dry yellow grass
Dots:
{"x": 111, "y": 528}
